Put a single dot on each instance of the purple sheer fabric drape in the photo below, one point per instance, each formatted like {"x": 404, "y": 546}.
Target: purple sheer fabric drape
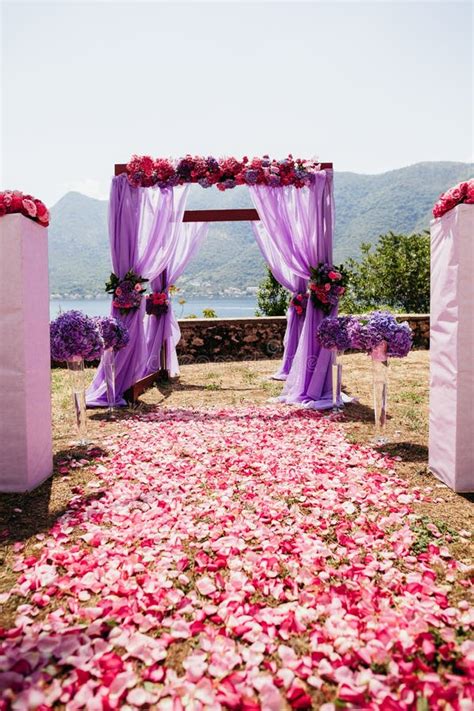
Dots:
{"x": 144, "y": 225}
{"x": 299, "y": 223}
{"x": 165, "y": 328}
{"x": 291, "y": 281}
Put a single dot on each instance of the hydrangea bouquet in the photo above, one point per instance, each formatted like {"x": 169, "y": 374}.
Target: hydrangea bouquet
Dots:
{"x": 339, "y": 333}
{"x": 381, "y": 327}
{"x": 75, "y": 336}
{"x": 114, "y": 333}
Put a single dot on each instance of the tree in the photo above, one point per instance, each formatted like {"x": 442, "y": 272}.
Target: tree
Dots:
{"x": 272, "y": 297}
{"x": 394, "y": 274}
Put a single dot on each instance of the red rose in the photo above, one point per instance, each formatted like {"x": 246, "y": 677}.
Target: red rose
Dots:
{"x": 16, "y": 203}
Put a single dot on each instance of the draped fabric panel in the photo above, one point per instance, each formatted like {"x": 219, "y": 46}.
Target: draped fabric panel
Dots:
{"x": 299, "y": 225}
{"x": 144, "y": 225}
{"x": 165, "y": 328}
{"x": 292, "y": 282}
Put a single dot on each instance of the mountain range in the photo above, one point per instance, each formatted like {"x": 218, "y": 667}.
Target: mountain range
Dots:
{"x": 229, "y": 262}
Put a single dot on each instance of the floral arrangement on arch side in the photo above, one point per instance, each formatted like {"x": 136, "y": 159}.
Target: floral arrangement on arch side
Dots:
{"x": 460, "y": 193}
{"x": 14, "y": 201}
{"x": 127, "y": 292}
{"x": 299, "y": 302}
{"x": 224, "y": 173}
{"x": 327, "y": 284}
{"x": 157, "y": 303}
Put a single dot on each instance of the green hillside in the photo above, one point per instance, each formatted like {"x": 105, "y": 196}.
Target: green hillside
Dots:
{"x": 366, "y": 206}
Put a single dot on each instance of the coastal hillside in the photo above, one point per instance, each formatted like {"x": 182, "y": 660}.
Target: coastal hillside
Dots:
{"x": 230, "y": 262}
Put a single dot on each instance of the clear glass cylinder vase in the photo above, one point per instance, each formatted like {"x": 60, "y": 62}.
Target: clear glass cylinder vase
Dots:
{"x": 108, "y": 363}
{"x": 78, "y": 391}
{"x": 380, "y": 377}
{"x": 336, "y": 372}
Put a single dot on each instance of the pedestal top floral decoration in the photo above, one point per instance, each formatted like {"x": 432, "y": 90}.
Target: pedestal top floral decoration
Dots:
{"x": 14, "y": 201}
{"x": 458, "y": 194}
{"x": 127, "y": 292}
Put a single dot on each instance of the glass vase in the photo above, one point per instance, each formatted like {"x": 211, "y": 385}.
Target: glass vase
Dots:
{"x": 108, "y": 363}
{"x": 78, "y": 390}
{"x": 336, "y": 372}
{"x": 380, "y": 373}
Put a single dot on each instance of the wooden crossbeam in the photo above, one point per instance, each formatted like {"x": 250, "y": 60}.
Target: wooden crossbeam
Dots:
{"x": 220, "y": 215}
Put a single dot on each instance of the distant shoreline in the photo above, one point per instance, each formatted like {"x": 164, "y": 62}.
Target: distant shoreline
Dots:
{"x": 223, "y": 306}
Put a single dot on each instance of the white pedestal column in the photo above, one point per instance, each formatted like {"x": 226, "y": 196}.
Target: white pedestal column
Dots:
{"x": 25, "y": 365}
{"x": 451, "y": 440}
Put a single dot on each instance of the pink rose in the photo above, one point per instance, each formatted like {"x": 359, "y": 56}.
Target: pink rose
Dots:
{"x": 30, "y": 207}
{"x": 327, "y": 287}
{"x": 469, "y": 192}
{"x": 118, "y": 291}
{"x": 138, "y": 287}
{"x": 341, "y": 289}
{"x": 334, "y": 275}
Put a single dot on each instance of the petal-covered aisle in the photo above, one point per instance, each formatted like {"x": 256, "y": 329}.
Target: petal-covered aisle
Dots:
{"x": 238, "y": 559}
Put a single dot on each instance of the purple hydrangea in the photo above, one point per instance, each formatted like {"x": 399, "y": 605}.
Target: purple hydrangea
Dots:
{"x": 382, "y": 326}
{"x": 401, "y": 342}
{"x": 251, "y": 176}
{"x": 337, "y": 333}
{"x": 113, "y": 331}
{"x": 75, "y": 335}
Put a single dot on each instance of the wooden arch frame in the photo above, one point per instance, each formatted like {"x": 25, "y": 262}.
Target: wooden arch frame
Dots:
{"x": 241, "y": 215}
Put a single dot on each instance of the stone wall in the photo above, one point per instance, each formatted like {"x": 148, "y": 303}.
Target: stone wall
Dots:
{"x": 215, "y": 339}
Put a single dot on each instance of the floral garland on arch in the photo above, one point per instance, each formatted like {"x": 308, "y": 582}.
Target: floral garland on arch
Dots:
{"x": 14, "y": 201}
{"x": 127, "y": 292}
{"x": 224, "y": 173}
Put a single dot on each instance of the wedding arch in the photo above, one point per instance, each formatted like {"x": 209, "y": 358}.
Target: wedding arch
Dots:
{"x": 153, "y": 237}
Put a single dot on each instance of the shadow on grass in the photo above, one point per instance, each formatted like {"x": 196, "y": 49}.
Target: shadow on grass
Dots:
{"x": 357, "y": 412}
{"x": 408, "y": 451}
{"x": 23, "y": 515}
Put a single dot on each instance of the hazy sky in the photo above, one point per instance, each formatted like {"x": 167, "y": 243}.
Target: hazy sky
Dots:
{"x": 371, "y": 86}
